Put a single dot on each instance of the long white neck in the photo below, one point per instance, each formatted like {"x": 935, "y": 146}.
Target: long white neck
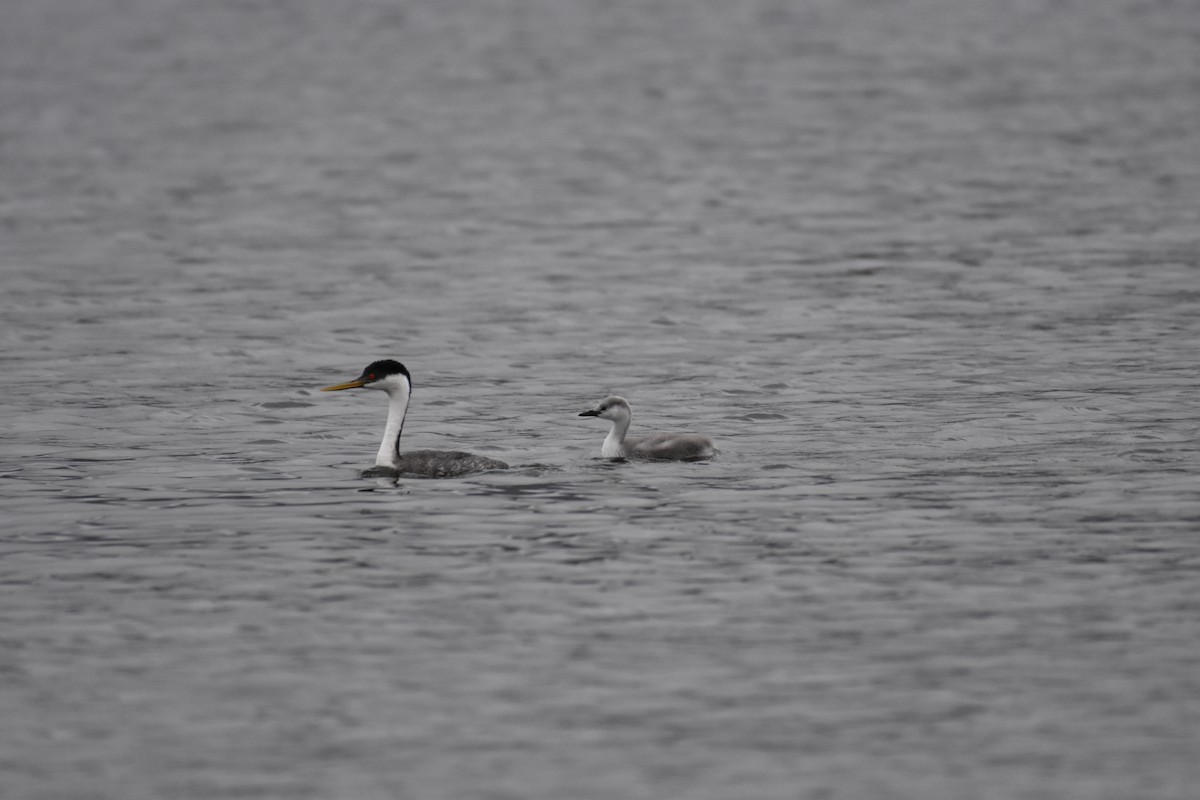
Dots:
{"x": 389, "y": 448}
{"x": 614, "y": 443}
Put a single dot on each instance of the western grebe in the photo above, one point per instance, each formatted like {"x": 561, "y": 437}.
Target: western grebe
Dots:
{"x": 676, "y": 446}
{"x": 391, "y": 376}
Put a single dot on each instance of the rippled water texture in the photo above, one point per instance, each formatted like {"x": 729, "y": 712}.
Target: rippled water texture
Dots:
{"x": 927, "y": 271}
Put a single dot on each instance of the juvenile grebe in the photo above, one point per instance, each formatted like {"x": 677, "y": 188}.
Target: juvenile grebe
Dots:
{"x": 676, "y": 446}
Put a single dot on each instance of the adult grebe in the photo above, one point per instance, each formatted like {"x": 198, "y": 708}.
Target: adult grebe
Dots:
{"x": 391, "y": 376}
{"x": 675, "y": 446}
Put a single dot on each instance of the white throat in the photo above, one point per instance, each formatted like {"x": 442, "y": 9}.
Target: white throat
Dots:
{"x": 389, "y": 449}
{"x": 614, "y": 443}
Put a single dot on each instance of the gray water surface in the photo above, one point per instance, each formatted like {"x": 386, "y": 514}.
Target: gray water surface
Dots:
{"x": 927, "y": 272}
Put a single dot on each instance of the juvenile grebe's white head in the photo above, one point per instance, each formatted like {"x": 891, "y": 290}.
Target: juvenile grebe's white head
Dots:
{"x": 386, "y": 375}
{"x": 611, "y": 408}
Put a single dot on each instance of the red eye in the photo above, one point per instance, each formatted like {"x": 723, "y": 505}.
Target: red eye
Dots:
{"x": 371, "y": 377}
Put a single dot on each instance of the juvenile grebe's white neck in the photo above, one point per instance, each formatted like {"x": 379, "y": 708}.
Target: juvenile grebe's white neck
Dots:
{"x": 614, "y": 443}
